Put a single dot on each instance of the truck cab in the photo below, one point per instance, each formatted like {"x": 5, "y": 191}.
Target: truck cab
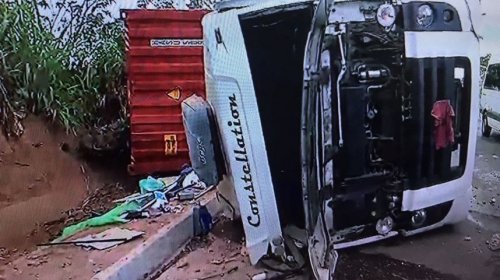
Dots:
{"x": 490, "y": 98}
{"x": 351, "y": 120}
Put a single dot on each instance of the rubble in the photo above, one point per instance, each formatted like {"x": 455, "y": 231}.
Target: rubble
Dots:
{"x": 243, "y": 251}
{"x": 37, "y": 260}
{"x": 156, "y": 197}
{"x": 3, "y": 252}
{"x": 217, "y": 261}
{"x": 182, "y": 264}
{"x": 494, "y": 242}
{"x": 221, "y": 274}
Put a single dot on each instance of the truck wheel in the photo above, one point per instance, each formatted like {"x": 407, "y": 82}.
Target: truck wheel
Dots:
{"x": 485, "y": 128}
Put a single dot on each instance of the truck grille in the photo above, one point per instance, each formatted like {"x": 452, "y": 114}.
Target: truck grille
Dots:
{"x": 431, "y": 80}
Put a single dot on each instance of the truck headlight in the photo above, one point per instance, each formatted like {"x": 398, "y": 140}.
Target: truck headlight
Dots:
{"x": 418, "y": 218}
{"x": 425, "y": 15}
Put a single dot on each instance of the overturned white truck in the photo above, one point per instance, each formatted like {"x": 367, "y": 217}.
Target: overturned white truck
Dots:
{"x": 354, "y": 120}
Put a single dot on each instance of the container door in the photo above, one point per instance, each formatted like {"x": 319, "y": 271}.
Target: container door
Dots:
{"x": 316, "y": 139}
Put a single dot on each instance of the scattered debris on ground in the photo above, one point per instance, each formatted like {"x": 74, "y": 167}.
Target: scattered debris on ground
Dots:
{"x": 102, "y": 241}
{"x": 224, "y": 274}
{"x": 81, "y": 263}
{"x": 355, "y": 265}
{"x": 260, "y": 276}
{"x": 213, "y": 256}
{"x": 98, "y": 202}
{"x": 494, "y": 242}
{"x": 154, "y": 199}
{"x": 37, "y": 259}
{"x": 225, "y": 249}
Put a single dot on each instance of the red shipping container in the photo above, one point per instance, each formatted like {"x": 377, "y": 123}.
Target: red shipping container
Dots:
{"x": 164, "y": 67}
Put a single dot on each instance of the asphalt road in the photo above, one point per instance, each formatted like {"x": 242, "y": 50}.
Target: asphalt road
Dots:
{"x": 486, "y": 181}
{"x": 456, "y": 252}
{"x": 447, "y": 250}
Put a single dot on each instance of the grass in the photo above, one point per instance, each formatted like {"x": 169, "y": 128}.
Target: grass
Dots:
{"x": 63, "y": 65}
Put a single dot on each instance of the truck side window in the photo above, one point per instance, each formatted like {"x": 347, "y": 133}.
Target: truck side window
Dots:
{"x": 493, "y": 77}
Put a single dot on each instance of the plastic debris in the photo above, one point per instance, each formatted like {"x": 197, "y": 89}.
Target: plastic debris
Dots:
{"x": 150, "y": 184}
{"x": 161, "y": 201}
{"x": 101, "y": 241}
{"x": 114, "y": 216}
{"x": 260, "y": 276}
{"x": 202, "y": 220}
{"x": 153, "y": 200}
{"x": 467, "y": 238}
{"x": 104, "y": 240}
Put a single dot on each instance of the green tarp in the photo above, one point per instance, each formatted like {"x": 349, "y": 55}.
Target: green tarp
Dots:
{"x": 114, "y": 216}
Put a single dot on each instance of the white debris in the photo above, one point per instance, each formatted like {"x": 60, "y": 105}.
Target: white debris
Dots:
{"x": 260, "y": 276}
{"x": 467, "y": 238}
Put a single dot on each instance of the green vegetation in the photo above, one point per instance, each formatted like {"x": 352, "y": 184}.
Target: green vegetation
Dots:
{"x": 60, "y": 66}
{"x": 62, "y": 59}
{"x": 167, "y": 4}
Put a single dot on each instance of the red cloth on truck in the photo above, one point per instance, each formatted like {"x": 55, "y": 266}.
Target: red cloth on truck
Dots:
{"x": 443, "y": 114}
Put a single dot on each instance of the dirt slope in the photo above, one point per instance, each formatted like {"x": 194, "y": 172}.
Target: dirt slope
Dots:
{"x": 38, "y": 181}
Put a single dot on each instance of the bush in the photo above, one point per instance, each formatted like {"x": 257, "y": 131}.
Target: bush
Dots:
{"x": 62, "y": 64}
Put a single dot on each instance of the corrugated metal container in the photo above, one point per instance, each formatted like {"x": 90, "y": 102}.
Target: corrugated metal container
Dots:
{"x": 164, "y": 67}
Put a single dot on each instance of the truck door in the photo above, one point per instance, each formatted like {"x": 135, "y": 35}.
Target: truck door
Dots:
{"x": 316, "y": 144}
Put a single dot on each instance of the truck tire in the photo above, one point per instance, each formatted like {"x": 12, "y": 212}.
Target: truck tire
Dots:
{"x": 485, "y": 128}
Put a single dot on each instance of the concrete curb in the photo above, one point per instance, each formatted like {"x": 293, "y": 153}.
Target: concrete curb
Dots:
{"x": 149, "y": 256}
